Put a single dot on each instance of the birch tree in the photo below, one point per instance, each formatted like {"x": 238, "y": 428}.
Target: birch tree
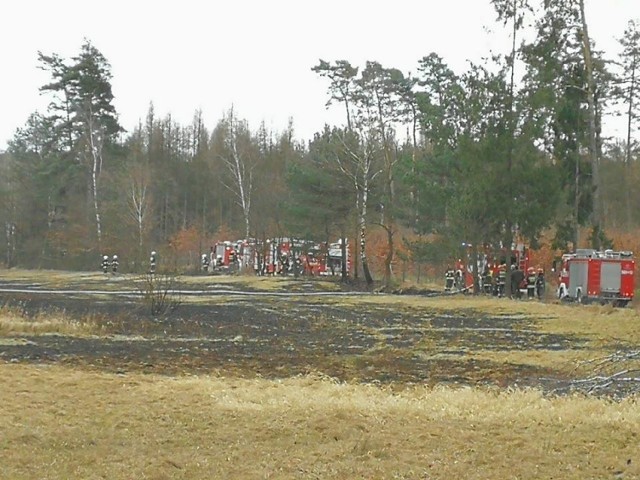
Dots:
{"x": 139, "y": 203}
{"x": 240, "y": 160}
{"x": 360, "y": 142}
{"x": 383, "y": 95}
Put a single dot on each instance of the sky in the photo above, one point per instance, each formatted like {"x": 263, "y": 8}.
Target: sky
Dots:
{"x": 254, "y": 55}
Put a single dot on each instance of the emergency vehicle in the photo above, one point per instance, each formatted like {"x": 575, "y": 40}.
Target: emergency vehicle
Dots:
{"x": 280, "y": 256}
{"x": 225, "y": 257}
{"x": 594, "y": 276}
{"x": 334, "y": 259}
{"x": 322, "y": 259}
{"x": 491, "y": 268}
{"x": 273, "y": 256}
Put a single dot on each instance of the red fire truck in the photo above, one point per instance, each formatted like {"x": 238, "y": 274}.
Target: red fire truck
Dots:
{"x": 280, "y": 256}
{"x": 594, "y": 276}
{"x": 225, "y": 257}
{"x": 491, "y": 267}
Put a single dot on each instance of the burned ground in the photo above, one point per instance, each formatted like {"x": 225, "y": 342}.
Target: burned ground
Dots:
{"x": 270, "y": 335}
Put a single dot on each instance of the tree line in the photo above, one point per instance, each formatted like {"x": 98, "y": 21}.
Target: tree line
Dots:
{"x": 509, "y": 149}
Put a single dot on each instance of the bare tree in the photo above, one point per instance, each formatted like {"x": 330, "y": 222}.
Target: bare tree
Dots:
{"x": 139, "y": 203}
{"x": 240, "y": 162}
{"x": 359, "y": 166}
{"x": 94, "y": 147}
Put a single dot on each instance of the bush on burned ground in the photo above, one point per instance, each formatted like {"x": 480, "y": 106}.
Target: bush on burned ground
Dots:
{"x": 159, "y": 293}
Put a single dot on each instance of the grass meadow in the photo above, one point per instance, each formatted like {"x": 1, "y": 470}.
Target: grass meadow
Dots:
{"x": 60, "y": 421}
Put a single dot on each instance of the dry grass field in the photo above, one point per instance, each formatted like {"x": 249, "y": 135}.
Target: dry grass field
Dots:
{"x": 310, "y": 387}
{"x": 62, "y": 423}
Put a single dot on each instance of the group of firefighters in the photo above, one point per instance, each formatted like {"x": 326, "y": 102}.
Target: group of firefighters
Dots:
{"x": 214, "y": 262}
{"x": 284, "y": 265}
{"x": 493, "y": 282}
{"x": 110, "y": 264}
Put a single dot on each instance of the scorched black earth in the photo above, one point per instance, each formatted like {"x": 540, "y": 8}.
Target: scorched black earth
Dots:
{"x": 275, "y": 336}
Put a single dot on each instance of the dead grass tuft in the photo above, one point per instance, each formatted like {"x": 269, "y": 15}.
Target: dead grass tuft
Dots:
{"x": 14, "y": 323}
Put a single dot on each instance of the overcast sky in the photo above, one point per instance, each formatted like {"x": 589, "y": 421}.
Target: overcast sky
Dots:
{"x": 253, "y": 54}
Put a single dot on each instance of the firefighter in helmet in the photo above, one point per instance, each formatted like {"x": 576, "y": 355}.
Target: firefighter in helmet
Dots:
{"x": 449, "y": 277}
{"x": 153, "y": 262}
{"x": 502, "y": 279}
{"x": 540, "y": 284}
{"x": 105, "y": 264}
{"x": 205, "y": 262}
{"x": 114, "y": 264}
{"x": 531, "y": 282}
{"x": 232, "y": 258}
{"x": 284, "y": 263}
{"x": 487, "y": 280}
{"x": 459, "y": 276}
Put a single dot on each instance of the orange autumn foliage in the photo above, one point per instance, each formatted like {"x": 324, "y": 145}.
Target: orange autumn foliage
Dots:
{"x": 185, "y": 241}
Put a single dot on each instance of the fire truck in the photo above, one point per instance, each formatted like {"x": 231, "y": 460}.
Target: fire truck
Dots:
{"x": 280, "y": 256}
{"x": 594, "y": 276}
{"x": 491, "y": 267}
{"x": 334, "y": 259}
{"x": 225, "y": 257}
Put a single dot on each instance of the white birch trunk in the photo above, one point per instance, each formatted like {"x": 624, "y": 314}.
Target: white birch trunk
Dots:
{"x": 242, "y": 174}
{"x": 95, "y": 146}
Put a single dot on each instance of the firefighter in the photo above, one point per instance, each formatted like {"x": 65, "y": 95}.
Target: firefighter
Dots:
{"x": 298, "y": 269}
{"x": 531, "y": 282}
{"x": 114, "y": 264}
{"x": 540, "y": 284}
{"x": 286, "y": 265}
{"x": 487, "y": 280}
{"x": 105, "y": 264}
{"x": 517, "y": 278}
{"x": 459, "y": 279}
{"x": 502, "y": 280}
{"x": 232, "y": 259}
{"x": 212, "y": 259}
{"x": 449, "y": 278}
{"x": 205, "y": 262}
{"x": 153, "y": 262}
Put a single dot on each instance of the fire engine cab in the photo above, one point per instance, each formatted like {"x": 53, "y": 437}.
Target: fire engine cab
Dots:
{"x": 594, "y": 276}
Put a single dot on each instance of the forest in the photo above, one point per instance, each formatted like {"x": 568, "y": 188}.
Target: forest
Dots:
{"x": 513, "y": 149}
